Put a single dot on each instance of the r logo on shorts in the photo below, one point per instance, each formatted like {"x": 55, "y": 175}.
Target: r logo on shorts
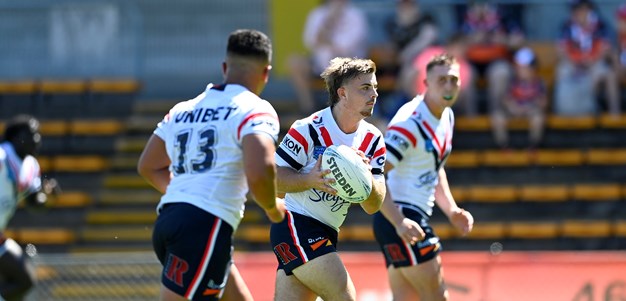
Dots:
{"x": 299, "y": 238}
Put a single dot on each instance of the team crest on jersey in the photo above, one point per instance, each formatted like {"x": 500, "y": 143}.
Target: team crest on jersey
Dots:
{"x": 428, "y": 145}
{"x": 318, "y": 151}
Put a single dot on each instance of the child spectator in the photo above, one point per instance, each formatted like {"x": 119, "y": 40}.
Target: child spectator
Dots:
{"x": 526, "y": 97}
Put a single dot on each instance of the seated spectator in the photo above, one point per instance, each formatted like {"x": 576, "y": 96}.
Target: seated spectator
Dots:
{"x": 456, "y": 47}
{"x": 335, "y": 29}
{"x": 584, "y": 50}
{"x": 526, "y": 97}
{"x": 620, "y": 24}
{"x": 490, "y": 42}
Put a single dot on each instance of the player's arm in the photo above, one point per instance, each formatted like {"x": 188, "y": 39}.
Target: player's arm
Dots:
{"x": 406, "y": 228}
{"x": 373, "y": 203}
{"x": 290, "y": 180}
{"x": 154, "y": 164}
{"x": 260, "y": 169}
{"x": 460, "y": 218}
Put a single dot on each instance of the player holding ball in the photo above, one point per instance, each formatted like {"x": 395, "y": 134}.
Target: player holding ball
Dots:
{"x": 419, "y": 140}
{"x": 305, "y": 242}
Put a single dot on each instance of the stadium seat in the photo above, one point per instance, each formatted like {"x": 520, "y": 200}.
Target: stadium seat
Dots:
{"x": 572, "y": 157}
{"x": 130, "y": 197}
{"x": 125, "y": 181}
{"x": 518, "y": 123}
{"x": 79, "y": 164}
{"x": 53, "y": 128}
{"x": 488, "y": 230}
{"x": 115, "y": 217}
{"x": 619, "y": 228}
{"x": 586, "y": 228}
{"x": 499, "y": 158}
{"x": 597, "y": 192}
{"x": 610, "y": 122}
{"x": 571, "y": 123}
{"x": 96, "y": 127}
{"x": 460, "y": 194}
{"x": 17, "y": 97}
{"x": 492, "y": 193}
{"x": 46, "y": 236}
{"x": 544, "y": 193}
{"x": 477, "y": 123}
{"x": 463, "y": 159}
{"x": 253, "y": 233}
{"x": 111, "y": 97}
{"x": 70, "y": 199}
{"x": 606, "y": 156}
{"x": 532, "y": 230}
{"x": 444, "y": 230}
{"x": 547, "y": 57}
{"x": 61, "y": 98}
{"x": 117, "y": 233}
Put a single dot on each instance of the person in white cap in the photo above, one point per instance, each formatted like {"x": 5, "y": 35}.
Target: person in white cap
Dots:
{"x": 526, "y": 97}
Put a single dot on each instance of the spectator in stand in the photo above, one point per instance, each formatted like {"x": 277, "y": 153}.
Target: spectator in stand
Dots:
{"x": 526, "y": 97}
{"x": 457, "y": 47}
{"x": 584, "y": 50}
{"x": 335, "y": 29}
{"x": 620, "y": 25}
{"x": 409, "y": 32}
{"x": 490, "y": 43}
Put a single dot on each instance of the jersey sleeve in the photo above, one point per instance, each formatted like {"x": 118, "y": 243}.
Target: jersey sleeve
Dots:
{"x": 260, "y": 120}
{"x": 399, "y": 140}
{"x": 29, "y": 180}
{"x": 379, "y": 157}
{"x": 294, "y": 149}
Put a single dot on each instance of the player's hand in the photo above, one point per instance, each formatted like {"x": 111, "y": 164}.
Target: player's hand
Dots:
{"x": 50, "y": 186}
{"x": 410, "y": 231}
{"x": 276, "y": 214}
{"x": 462, "y": 220}
{"x": 317, "y": 178}
{"x": 366, "y": 160}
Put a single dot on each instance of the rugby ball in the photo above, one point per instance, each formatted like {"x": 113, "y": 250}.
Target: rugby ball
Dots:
{"x": 353, "y": 178}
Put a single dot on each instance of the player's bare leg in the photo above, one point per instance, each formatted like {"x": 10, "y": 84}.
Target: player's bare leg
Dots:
{"x": 290, "y": 288}
{"x": 427, "y": 279}
{"x": 401, "y": 288}
{"x": 327, "y": 277}
{"x": 236, "y": 289}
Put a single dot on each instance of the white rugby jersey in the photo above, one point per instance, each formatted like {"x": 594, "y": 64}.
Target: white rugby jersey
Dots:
{"x": 306, "y": 140}
{"x": 203, "y": 140}
{"x": 18, "y": 178}
{"x": 418, "y": 145}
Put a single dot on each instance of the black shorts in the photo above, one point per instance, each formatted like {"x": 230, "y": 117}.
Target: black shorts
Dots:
{"x": 298, "y": 239}
{"x": 195, "y": 249}
{"x": 399, "y": 253}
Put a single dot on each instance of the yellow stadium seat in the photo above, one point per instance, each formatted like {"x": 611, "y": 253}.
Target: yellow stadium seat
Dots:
{"x": 460, "y": 194}
{"x": 610, "y": 122}
{"x": 488, "y": 230}
{"x": 462, "y": 159}
{"x": 559, "y": 157}
{"x": 518, "y": 123}
{"x": 117, "y": 233}
{"x": 53, "y": 128}
{"x": 606, "y": 156}
{"x": 505, "y": 158}
{"x": 547, "y": 56}
{"x": 545, "y": 193}
{"x": 493, "y": 193}
{"x": 71, "y": 199}
{"x": 478, "y": 123}
{"x": 253, "y": 233}
{"x": 18, "y": 87}
{"x": 357, "y": 233}
{"x": 46, "y": 236}
{"x": 115, "y": 217}
{"x": 597, "y": 192}
{"x": 571, "y": 123}
{"x": 96, "y": 127}
{"x": 619, "y": 228}
{"x": 532, "y": 230}
{"x": 80, "y": 163}
{"x": 63, "y": 86}
{"x": 583, "y": 228}
{"x": 444, "y": 230}
{"x": 113, "y": 86}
